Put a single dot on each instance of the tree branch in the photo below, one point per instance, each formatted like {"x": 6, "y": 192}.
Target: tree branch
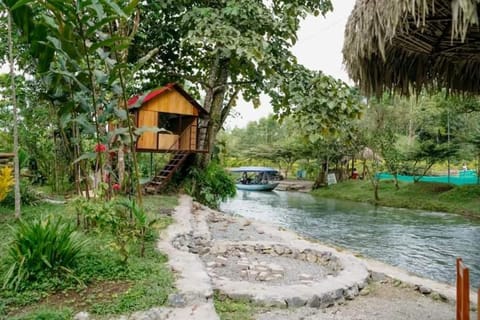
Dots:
{"x": 226, "y": 109}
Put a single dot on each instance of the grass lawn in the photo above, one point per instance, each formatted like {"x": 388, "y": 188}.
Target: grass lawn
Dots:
{"x": 463, "y": 200}
{"x": 102, "y": 284}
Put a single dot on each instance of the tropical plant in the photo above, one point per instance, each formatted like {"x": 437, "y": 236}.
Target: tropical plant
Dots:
{"x": 6, "y": 182}
{"x": 140, "y": 222}
{"x": 210, "y": 185}
{"x": 40, "y": 248}
{"x": 28, "y": 196}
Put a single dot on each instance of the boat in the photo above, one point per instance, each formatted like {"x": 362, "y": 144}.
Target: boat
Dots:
{"x": 256, "y": 178}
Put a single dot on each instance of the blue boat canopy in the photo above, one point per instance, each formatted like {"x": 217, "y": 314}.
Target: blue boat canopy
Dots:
{"x": 254, "y": 169}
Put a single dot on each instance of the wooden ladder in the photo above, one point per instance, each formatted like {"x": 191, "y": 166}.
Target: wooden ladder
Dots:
{"x": 165, "y": 175}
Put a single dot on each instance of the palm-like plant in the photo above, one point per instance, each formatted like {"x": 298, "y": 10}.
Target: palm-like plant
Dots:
{"x": 40, "y": 247}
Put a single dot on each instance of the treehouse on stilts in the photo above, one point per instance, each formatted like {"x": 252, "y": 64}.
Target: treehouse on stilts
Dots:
{"x": 175, "y": 123}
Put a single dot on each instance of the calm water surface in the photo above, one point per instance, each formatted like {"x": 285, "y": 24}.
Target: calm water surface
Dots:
{"x": 425, "y": 243}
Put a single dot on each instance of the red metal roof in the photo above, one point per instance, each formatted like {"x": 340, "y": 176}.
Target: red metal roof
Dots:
{"x": 156, "y": 92}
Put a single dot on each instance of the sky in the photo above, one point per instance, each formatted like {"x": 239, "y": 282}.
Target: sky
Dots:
{"x": 319, "y": 47}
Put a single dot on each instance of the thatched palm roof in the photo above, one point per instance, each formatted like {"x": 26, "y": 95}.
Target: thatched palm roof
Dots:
{"x": 406, "y": 45}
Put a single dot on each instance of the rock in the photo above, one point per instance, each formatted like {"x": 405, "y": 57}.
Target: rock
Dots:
{"x": 443, "y": 297}
{"x": 262, "y": 276}
{"x": 211, "y": 264}
{"x": 314, "y": 302}
{"x": 82, "y": 316}
{"x": 279, "y": 250}
{"x": 260, "y": 231}
{"x": 311, "y": 257}
{"x": 275, "y": 268}
{"x": 296, "y": 302}
{"x": 221, "y": 261}
{"x": 176, "y": 300}
{"x": 305, "y": 276}
{"x": 397, "y": 283}
{"x": 262, "y": 268}
{"x": 424, "y": 290}
{"x": 337, "y": 294}
{"x": 377, "y": 276}
{"x": 365, "y": 291}
{"x": 247, "y": 223}
{"x": 351, "y": 293}
{"x": 326, "y": 301}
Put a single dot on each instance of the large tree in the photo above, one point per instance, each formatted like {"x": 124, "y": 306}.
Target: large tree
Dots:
{"x": 227, "y": 47}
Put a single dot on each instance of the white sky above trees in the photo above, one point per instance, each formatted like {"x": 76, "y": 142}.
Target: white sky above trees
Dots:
{"x": 319, "y": 47}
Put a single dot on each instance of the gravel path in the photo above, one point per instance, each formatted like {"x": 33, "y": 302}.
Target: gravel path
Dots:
{"x": 385, "y": 301}
{"x": 224, "y": 227}
{"x": 290, "y": 270}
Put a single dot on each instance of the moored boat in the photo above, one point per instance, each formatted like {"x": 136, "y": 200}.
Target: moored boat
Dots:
{"x": 256, "y": 178}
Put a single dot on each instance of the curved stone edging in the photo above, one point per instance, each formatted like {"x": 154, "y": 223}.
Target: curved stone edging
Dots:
{"x": 346, "y": 284}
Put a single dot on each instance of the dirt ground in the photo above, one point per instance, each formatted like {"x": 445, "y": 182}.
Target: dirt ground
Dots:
{"x": 383, "y": 301}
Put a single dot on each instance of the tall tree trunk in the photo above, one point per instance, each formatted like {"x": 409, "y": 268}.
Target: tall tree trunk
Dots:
{"x": 215, "y": 95}
{"x": 16, "y": 162}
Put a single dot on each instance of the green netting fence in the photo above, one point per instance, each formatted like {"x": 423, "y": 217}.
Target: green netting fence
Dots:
{"x": 460, "y": 179}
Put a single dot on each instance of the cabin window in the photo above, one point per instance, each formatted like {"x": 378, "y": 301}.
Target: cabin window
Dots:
{"x": 174, "y": 123}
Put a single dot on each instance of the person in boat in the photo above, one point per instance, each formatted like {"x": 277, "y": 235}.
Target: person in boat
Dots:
{"x": 245, "y": 179}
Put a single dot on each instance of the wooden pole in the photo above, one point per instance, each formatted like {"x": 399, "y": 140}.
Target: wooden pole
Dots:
{"x": 463, "y": 291}
{"x": 478, "y": 304}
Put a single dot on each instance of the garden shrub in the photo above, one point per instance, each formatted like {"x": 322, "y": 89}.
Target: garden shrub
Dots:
{"x": 40, "y": 248}
{"x": 6, "y": 182}
{"x": 28, "y": 196}
{"x": 211, "y": 185}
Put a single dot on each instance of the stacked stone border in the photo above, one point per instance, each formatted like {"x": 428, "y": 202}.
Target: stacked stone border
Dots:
{"x": 349, "y": 277}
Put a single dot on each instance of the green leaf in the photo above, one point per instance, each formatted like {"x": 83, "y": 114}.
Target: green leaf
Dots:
{"x": 20, "y": 3}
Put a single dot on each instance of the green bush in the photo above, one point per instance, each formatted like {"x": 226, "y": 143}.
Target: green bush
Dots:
{"x": 211, "y": 185}
{"x": 29, "y": 197}
{"x": 41, "y": 248}
{"x": 47, "y": 314}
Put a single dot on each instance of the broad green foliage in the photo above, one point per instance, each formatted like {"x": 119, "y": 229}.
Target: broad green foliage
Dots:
{"x": 78, "y": 49}
{"x": 6, "y": 182}
{"x": 28, "y": 196}
{"x": 211, "y": 185}
{"x": 40, "y": 248}
{"x": 321, "y": 105}
{"x": 124, "y": 219}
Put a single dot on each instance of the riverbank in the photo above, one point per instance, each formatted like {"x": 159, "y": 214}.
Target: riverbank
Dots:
{"x": 262, "y": 271}
{"x": 464, "y": 200}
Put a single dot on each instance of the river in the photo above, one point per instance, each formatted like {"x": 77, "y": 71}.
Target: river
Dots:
{"x": 425, "y": 243}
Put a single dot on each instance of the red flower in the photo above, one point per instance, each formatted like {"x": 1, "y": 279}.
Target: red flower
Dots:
{"x": 116, "y": 187}
{"x": 100, "y": 147}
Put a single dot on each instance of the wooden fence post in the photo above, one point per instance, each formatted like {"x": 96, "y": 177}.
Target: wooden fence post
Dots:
{"x": 463, "y": 291}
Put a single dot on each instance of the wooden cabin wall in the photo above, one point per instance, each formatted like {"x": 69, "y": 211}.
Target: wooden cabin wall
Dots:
{"x": 189, "y": 138}
{"x": 170, "y": 102}
{"x": 148, "y": 140}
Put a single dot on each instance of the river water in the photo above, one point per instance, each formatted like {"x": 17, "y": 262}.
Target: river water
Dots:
{"x": 425, "y": 243}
